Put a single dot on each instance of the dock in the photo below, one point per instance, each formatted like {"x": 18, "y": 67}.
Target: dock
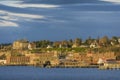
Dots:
{"x": 110, "y": 67}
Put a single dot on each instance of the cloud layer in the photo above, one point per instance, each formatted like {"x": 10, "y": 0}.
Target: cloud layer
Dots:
{"x": 4, "y": 23}
{"x": 113, "y": 1}
{"x": 23, "y": 15}
{"x": 8, "y": 18}
{"x": 20, "y": 4}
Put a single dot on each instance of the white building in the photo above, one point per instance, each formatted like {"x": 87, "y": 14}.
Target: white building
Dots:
{"x": 3, "y": 61}
{"x": 31, "y": 46}
{"x": 100, "y": 61}
{"x": 119, "y": 40}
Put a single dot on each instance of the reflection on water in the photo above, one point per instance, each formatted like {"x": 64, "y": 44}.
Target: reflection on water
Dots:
{"x": 36, "y": 73}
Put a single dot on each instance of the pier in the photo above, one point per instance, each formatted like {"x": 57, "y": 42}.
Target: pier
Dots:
{"x": 110, "y": 67}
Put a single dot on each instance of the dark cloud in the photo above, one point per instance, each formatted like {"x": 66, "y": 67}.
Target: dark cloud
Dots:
{"x": 64, "y": 1}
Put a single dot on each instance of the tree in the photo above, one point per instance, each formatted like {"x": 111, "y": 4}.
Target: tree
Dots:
{"x": 104, "y": 41}
{"x": 77, "y": 42}
{"x": 56, "y": 44}
{"x": 114, "y": 40}
{"x": 43, "y": 43}
{"x": 70, "y": 43}
{"x": 64, "y": 43}
{"x": 89, "y": 40}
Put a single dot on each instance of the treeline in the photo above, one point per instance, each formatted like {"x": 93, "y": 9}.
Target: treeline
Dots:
{"x": 5, "y": 45}
{"x": 103, "y": 42}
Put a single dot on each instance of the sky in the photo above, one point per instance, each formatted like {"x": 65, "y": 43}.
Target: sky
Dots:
{"x": 58, "y": 19}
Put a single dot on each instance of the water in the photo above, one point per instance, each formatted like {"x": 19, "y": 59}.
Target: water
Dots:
{"x": 35, "y": 73}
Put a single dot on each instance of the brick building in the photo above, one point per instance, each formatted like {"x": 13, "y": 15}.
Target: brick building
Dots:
{"x": 42, "y": 58}
{"x": 18, "y": 60}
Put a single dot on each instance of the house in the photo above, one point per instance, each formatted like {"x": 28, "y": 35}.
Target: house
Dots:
{"x": 119, "y": 40}
{"x": 74, "y": 46}
{"x": 49, "y": 46}
{"x": 84, "y": 46}
{"x": 31, "y": 46}
{"x": 94, "y": 44}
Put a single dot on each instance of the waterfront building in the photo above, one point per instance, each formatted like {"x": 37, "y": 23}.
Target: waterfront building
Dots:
{"x": 34, "y": 58}
{"x": 110, "y": 64}
{"x": 90, "y": 58}
{"x": 96, "y": 56}
{"x": 43, "y": 58}
{"x": 78, "y": 57}
{"x": 3, "y": 62}
{"x": 18, "y": 60}
{"x": 52, "y": 58}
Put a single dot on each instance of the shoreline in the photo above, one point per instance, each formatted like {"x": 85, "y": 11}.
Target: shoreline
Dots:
{"x": 90, "y": 66}
{"x": 87, "y": 67}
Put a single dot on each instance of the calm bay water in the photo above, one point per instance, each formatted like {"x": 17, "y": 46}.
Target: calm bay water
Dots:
{"x": 36, "y": 73}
